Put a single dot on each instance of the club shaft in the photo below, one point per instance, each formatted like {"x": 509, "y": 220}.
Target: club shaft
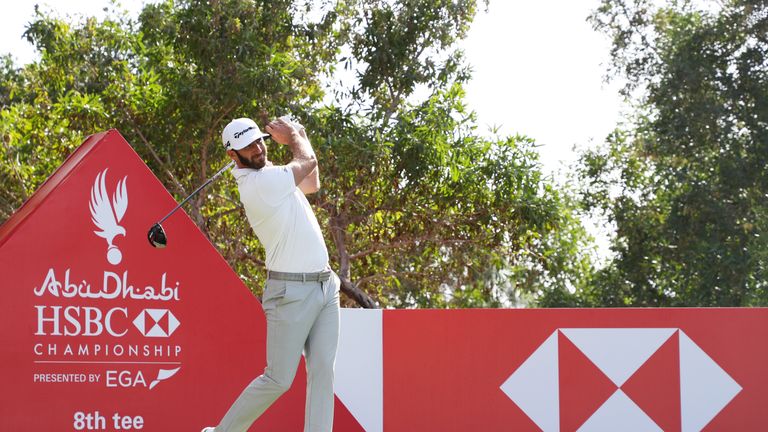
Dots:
{"x": 230, "y": 165}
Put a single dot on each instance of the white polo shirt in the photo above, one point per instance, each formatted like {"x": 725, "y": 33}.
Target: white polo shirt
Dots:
{"x": 282, "y": 219}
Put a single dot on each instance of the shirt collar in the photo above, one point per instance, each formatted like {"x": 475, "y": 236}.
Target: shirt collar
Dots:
{"x": 239, "y": 173}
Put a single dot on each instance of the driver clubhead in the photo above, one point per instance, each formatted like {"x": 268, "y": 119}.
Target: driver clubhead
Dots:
{"x": 156, "y": 236}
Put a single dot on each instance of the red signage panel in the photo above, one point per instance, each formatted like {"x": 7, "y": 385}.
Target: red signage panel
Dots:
{"x": 576, "y": 369}
{"x": 101, "y": 331}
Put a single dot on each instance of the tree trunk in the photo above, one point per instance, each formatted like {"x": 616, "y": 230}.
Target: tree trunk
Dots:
{"x": 339, "y": 234}
{"x": 356, "y": 294}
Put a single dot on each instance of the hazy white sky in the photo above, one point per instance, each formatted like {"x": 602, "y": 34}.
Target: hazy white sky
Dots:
{"x": 538, "y": 68}
{"x": 538, "y": 71}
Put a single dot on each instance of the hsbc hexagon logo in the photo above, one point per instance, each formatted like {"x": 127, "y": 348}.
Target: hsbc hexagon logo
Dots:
{"x": 156, "y": 322}
{"x": 620, "y": 379}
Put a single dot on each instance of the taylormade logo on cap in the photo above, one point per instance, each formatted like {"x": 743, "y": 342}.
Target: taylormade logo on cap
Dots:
{"x": 239, "y": 133}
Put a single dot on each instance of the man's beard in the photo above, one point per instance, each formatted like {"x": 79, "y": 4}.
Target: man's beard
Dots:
{"x": 255, "y": 164}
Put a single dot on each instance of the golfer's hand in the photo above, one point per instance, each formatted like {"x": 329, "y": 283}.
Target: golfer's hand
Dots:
{"x": 283, "y": 132}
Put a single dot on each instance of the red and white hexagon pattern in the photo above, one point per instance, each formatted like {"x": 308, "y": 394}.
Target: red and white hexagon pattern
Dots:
{"x": 656, "y": 379}
{"x": 101, "y": 331}
{"x": 559, "y": 370}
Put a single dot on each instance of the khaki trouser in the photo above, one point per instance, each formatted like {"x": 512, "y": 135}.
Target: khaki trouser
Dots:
{"x": 300, "y": 316}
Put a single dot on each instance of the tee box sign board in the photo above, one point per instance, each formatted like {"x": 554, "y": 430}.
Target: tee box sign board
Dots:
{"x": 101, "y": 331}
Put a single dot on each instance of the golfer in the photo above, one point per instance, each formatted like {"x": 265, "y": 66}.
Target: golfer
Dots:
{"x": 301, "y": 295}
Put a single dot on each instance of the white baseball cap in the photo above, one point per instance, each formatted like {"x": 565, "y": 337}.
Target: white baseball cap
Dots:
{"x": 239, "y": 133}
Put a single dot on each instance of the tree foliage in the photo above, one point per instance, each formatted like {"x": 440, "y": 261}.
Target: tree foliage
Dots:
{"x": 418, "y": 208}
{"x": 686, "y": 183}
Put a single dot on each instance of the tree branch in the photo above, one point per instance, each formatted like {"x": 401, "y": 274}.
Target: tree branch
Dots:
{"x": 8, "y": 193}
{"x": 24, "y": 194}
{"x": 405, "y": 242}
{"x": 229, "y": 199}
{"x": 356, "y": 294}
{"x": 241, "y": 254}
{"x": 7, "y": 208}
{"x": 198, "y": 215}
{"x": 224, "y": 212}
{"x": 179, "y": 188}
{"x": 209, "y": 137}
{"x": 367, "y": 279}
{"x": 338, "y": 233}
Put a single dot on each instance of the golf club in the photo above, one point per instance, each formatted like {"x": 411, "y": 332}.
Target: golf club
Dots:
{"x": 156, "y": 234}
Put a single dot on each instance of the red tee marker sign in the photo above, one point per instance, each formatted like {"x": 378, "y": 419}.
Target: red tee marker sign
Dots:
{"x": 101, "y": 331}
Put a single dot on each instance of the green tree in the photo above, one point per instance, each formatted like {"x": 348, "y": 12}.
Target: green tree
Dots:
{"x": 686, "y": 183}
{"x": 420, "y": 210}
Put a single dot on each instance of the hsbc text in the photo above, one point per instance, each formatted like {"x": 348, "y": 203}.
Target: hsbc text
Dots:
{"x": 81, "y": 321}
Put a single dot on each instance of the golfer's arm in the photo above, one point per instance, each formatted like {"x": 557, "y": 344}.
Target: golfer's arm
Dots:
{"x": 304, "y": 160}
{"x": 311, "y": 183}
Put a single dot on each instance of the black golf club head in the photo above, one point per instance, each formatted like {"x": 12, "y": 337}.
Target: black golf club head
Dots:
{"x": 156, "y": 236}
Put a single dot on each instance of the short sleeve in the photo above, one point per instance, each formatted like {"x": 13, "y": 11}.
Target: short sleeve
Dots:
{"x": 273, "y": 184}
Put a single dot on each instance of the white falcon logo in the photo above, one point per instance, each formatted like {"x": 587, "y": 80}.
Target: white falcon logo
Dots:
{"x": 106, "y": 216}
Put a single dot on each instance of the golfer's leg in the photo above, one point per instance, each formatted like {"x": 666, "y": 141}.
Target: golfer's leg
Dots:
{"x": 286, "y": 334}
{"x": 320, "y": 355}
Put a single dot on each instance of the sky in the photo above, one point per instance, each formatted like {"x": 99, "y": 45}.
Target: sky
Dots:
{"x": 538, "y": 70}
